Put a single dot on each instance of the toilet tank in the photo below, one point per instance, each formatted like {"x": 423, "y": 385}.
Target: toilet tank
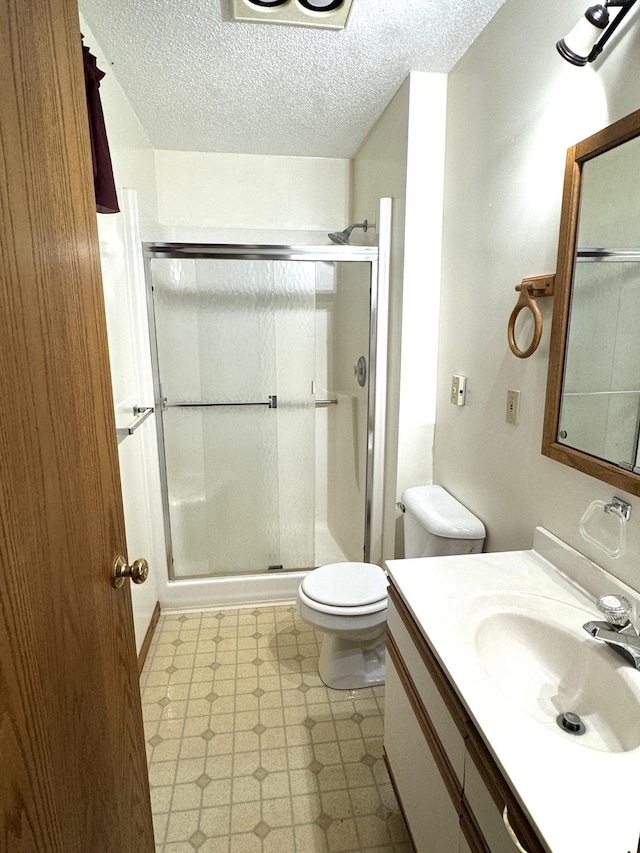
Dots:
{"x": 437, "y": 525}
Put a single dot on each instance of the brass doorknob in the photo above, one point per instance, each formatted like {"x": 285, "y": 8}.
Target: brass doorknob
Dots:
{"x": 138, "y": 571}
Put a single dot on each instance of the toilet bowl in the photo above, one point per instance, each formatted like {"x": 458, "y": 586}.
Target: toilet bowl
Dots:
{"x": 348, "y": 603}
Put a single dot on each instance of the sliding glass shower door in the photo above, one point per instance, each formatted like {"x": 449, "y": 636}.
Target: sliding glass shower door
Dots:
{"x": 235, "y": 364}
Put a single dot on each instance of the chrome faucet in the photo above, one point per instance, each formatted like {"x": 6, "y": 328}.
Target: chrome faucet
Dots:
{"x": 618, "y": 631}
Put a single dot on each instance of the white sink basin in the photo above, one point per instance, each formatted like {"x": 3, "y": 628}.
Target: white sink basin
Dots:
{"x": 535, "y": 651}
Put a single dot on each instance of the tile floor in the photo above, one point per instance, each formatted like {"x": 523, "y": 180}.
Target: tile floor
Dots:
{"x": 250, "y": 753}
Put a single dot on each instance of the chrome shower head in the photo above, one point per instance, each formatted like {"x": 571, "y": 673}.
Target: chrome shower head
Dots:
{"x": 342, "y": 237}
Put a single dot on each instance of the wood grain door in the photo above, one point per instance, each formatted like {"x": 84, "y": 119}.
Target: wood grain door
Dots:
{"x": 73, "y": 775}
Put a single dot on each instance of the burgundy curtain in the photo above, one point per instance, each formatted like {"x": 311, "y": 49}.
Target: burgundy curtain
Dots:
{"x": 106, "y": 198}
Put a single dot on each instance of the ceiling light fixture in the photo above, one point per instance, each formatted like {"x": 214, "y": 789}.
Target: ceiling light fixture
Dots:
{"x": 321, "y": 5}
{"x": 587, "y": 39}
{"x": 320, "y": 14}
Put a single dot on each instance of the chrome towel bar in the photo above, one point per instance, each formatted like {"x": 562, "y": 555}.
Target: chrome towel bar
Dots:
{"x": 140, "y": 413}
{"x": 272, "y": 403}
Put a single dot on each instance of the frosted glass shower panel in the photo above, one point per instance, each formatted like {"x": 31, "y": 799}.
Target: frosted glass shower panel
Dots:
{"x": 235, "y": 344}
{"x": 294, "y": 303}
{"x": 231, "y": 524}
{"x": 215, "y": 329}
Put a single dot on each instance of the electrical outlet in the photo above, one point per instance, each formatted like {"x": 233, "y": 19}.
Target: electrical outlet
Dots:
{"x": 513, "y": 407}
{"x": 458, "y": 390}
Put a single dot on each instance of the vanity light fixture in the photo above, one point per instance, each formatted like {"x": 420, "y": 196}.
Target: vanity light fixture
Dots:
{"x": 587, "y": 39}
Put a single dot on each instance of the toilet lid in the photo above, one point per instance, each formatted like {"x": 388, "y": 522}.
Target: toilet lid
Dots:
{"x": 346, "y": 584}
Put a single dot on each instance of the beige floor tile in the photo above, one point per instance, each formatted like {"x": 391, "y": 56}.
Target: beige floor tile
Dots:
{"x": 397, "y": 828}
{"x": 182, "y": 825}
{"x": 245, "y": 763}
{"x": 246, "y": 720}
{"x": 279, "y": 841}
{"x": 246, "y": 702}
{"x": 161, "y": 799}
{"x": 245, "y": 843}
{"x": 168, "y": 750}
{"x": 189, "y": 770}
{"x": 365, "y": 801}
{"x": 273, "y": 738}
{"x": 192, "y": 747}
{"x": 246, "y": 789}
{"x": 298, "y": 756}
{"x": 277, "y": 812}
{"x": 305, "y": 808}
{"x": 215, "y": 845}
{"x": 247, "y": 680}
{"x": 160, "y": 821}
{"x": 276, "y": 759}
{"x": 162, "y": 773}
{"x": 194, "y": 726}
{"x": 342, "y": 836}
{"x": 216, "y": 821}
{"x": 303, "y": 781}
{"x": 310, "y": 838}
{"x": 185, "y": 797}
{"x": 352, "y": 750}
{"x": 217, "y": 793}
{"x": 372, "y": 831}
{"x": 245, "y": 816}
{"x": 336, "y": 804}
{"x": 219, "y": 766}
{"x": 275, "y": 785}
{"x": 271, "y": 700}
{"x": 221, "y": 744}
{"x": 358, "y": 775}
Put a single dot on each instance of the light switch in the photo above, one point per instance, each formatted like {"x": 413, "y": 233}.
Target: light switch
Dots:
{"x": 458, "y": 389}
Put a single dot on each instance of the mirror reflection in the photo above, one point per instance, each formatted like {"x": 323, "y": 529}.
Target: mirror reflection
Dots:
{"x": 600, "y": 404}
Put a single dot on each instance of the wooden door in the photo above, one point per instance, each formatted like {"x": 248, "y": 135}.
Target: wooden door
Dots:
{"x": 73, "y": 773}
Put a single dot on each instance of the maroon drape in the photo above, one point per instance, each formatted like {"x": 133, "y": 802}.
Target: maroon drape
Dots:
{"x": 106, "y": 198}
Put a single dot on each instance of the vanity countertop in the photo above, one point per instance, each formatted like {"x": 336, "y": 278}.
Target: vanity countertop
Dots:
{"x": 581, "y": 795}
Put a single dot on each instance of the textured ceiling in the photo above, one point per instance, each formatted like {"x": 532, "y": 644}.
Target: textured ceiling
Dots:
{"x": 200, "y": 81}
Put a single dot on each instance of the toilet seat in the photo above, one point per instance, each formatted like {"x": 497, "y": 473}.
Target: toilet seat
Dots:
{"x": 350, "y": 589}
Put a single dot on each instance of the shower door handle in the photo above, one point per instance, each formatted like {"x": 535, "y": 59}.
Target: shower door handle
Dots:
{"x": 271, "y": 403}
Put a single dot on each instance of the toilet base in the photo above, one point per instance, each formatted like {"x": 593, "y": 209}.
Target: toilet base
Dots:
{"x": 351, "y": 665}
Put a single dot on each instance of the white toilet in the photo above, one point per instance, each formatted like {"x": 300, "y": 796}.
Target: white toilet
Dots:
{"x": 348, "y": 601}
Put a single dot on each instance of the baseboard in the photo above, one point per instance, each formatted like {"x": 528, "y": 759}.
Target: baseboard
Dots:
{"x": 144, "y": 649}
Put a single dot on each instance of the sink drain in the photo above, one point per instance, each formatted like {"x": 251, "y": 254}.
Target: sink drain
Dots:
{"x": 570, "y": 722}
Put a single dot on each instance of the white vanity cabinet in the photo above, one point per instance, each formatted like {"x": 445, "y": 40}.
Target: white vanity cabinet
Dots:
{"x": 452, "y": 793}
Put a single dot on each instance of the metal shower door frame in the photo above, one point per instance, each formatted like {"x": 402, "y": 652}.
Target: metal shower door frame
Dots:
{"x": 378, "y": 308}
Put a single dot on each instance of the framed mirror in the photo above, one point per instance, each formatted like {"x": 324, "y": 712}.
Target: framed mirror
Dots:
{"x": 592, "y": 412}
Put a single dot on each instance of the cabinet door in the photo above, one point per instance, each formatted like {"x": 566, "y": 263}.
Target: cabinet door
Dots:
{"x": 488, "y": 817}
{"x": 413, "y": 652}
{"x": 432, "y": 818}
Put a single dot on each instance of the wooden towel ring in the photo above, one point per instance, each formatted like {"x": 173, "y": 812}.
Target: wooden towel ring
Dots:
{"x": 530, "y": 290}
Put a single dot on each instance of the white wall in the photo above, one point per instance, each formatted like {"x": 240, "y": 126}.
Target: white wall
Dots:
{"x": 120, "y": 235}
{"x": 403, "y": 157}
{"x": 242, "y": 191}
{"x": 513, "y": 109}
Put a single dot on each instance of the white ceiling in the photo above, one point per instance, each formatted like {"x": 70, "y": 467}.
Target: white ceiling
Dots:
{"x": 200, "y": 81}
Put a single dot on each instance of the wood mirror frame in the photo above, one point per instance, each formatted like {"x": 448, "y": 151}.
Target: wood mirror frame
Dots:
{"x": 617, "y": 133}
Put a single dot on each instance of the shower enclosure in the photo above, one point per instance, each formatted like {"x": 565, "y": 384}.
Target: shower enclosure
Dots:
{"x": 264, "y": 366}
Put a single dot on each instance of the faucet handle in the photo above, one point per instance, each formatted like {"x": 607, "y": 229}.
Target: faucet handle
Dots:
{"x": 616, "y": 608}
